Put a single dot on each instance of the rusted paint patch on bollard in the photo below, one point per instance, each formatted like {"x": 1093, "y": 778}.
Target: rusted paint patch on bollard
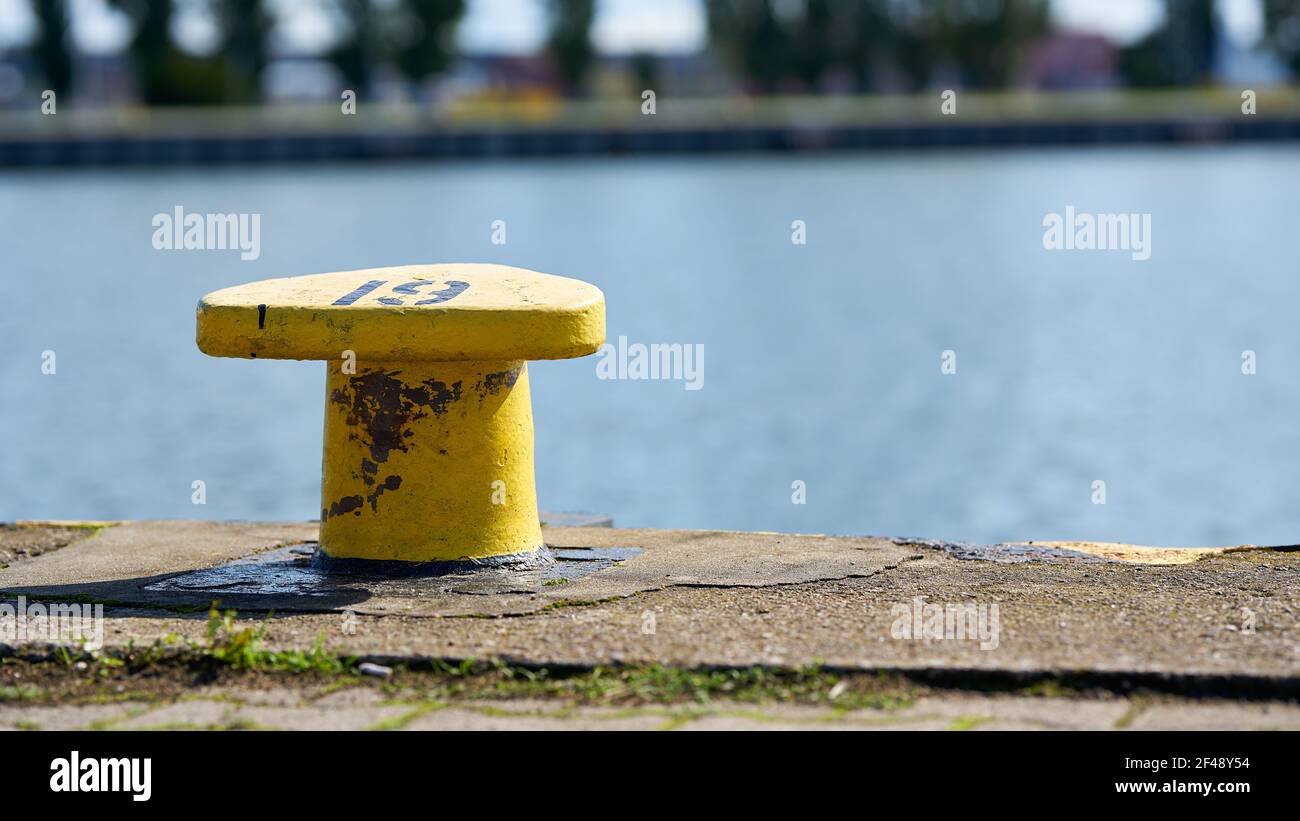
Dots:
{"x": 382, "y": 407}
{"x": 389, "y": 483}
{"x": 348, "y": 504}
{"x": 493, "y": 383}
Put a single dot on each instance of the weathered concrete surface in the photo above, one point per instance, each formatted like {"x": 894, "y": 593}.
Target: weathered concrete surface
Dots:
{"x": 727, "y": 598}
{"x": 365, "y": 709}
{"x": 1225, "y": 625}
{"x": 143, "y": 550}
{"x": 127, "y": 564}
{"x": 27, "y": 541}
{"x": 1078, "y": 552}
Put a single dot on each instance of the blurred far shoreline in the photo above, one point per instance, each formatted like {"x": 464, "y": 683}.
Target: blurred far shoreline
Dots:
{"x": 388, "y": 79}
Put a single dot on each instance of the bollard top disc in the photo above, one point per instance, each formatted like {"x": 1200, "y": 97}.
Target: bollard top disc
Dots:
{"x": 460, "y": 311}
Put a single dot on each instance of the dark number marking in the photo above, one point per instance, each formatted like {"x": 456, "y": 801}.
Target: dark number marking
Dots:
{"x": 360, "y": 292}
{"x": 454, "y": 289}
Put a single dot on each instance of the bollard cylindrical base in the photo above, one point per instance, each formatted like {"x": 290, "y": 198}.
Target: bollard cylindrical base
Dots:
{"x": 428, "y": 462}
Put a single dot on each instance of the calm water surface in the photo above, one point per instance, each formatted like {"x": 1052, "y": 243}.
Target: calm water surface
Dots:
{"x": 822, "y": 361}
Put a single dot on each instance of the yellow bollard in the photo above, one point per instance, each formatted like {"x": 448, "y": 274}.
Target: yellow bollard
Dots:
{"x": 428, "y": 454}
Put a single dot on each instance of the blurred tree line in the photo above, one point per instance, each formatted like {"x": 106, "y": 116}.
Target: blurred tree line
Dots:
{"x": 770, "y": 45}
{"x": 414, "y": 36}
{"x": 979, "y": 44}
{"x": 776, "y": 45}
{"x": 1181, "y": 52}
{"x": 1282, "y": 31}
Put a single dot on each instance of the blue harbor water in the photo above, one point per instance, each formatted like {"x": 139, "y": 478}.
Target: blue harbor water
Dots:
{"x": 822, "y": 361}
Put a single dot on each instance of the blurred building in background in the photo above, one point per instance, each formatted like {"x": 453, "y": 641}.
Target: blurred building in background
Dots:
{"x": 1069, "y": 60}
